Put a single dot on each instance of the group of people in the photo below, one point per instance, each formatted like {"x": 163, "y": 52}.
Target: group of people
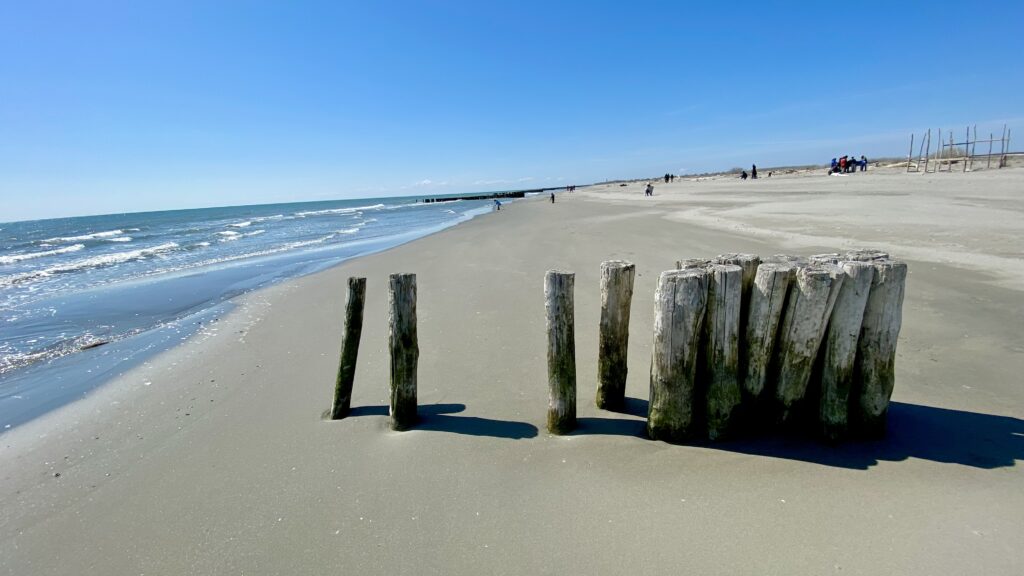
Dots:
{"x": 670, "y": 178}
{"x": 753, "y": 173}
{"x": 848, "y": 164}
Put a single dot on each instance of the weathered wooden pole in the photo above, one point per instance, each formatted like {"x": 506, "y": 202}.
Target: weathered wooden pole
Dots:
{"x": 679, "y": 307}
{"x": 349, "y": 348}
{"x": 613, "y": 338}
{"x": 840, "y": 348}
{"x": 404, "y": 349}
{"x": 803, "y": 327}
{"x": 558, "y": 305}
{"x": 748, "y": 263}
{"x": 692, "y": 263}
{"x": 767, "y": 301}
{"x": 866, "y": 255}
{"x": 721, "y": 352}
{"x": 876, "y": 347}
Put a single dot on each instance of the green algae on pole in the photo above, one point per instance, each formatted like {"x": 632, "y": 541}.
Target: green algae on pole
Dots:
{"x": 558, "y": 306}
{"x": 679, "y": 307}
{"x": 840, "y": 348}
{"x": 721, "y": 350}
{"x": 403, "y": 347}
{"x": 349, "y": 348}
{"x": 876, "y": 347}
{"x": 613, "y": 337}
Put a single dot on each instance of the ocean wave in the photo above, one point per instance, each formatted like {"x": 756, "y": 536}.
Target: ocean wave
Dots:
{"x": 245, "y": 224}
{"x": 120, "y": 239}
{"x": 338, "y": 210}
{"x": 32, "y": 255}
{"x": 91, "y": 236}
{"x": 265, "y": 218}
{"x": 228, "y": 235}
{"x": 91, "y": 262}
{"x": 349, "y": 230}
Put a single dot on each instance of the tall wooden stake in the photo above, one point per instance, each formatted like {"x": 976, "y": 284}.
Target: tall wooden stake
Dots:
{"x": 767, "y": 300}
{"x": 679, "y": 306}
{"x": 613, "y": 337}
{"x": 803, "y": 327}
{"x": 349, "y": 348}
{"x": 404, "y": 349}
{"x": 721, "y": 359}
{"x": 876, "y": 347}
{"x": 840, "y": 344}
{"x": 558, "y": 305}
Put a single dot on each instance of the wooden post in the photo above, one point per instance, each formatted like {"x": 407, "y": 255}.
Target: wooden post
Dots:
{"x": 613, "y": 338}
{"x": 844, "y": 326}
{"x": 404, "y": 349}
{"x": 679, "y": 306}
{"x": 866, "y": 255}
{"x": 721, "y": 353}
{"x": 748, "y": 263}
{"x": 767, "y": 300}
{"x": 876, "y": 347}
{"x": 349, "y": 348}
{"x": 927, "y": 150}
{"x": 988, "y": 159}
{"x": 830, "y": 258}
{"x": 692, "y": 263}
{"x": 967, "y": 147}
{"x": 558, "y": 305}
{"x": 910, "y": 154}
{"x": 803, "y": 327}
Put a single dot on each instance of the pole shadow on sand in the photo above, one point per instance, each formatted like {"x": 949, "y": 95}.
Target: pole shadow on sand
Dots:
{"x": 436, "y": 418}
{"x": 972, "y": 439}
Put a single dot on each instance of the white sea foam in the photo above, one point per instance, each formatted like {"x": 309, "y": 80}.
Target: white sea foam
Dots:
{"x": 228, "y": 233}
{"x": 31, "y": 255}
{"x": 241, "y": 224}
{"x": 120, "y": 239}
{"x": 349, "y": 230}
{"x": 91, "y": 236}
{"x": 203, "y": 244}
{"x": 339, "y": 210}
{"x": 91, "y": 262}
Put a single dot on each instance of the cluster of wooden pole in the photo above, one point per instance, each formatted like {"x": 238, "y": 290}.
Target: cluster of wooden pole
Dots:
{"x": 403, "y": 348}
{"x": 741, "y": 344}
{"x": 946, "y": 153}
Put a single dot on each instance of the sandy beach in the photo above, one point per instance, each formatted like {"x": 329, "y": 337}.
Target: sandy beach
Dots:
{"x": 215, "y": 458}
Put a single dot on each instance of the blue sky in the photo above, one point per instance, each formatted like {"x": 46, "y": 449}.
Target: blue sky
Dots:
{"x": 126, "y": 106}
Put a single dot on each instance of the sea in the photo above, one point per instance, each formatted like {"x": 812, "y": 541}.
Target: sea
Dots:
{"x": 83, "y": 299}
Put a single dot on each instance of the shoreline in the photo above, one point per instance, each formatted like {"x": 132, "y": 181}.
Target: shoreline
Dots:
{"x": 222, "y": 464}
{"x": 121, "y": 353}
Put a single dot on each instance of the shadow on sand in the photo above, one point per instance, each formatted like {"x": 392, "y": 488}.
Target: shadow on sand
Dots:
{"x": 925, "y": 432}
{"x": 436, "y": 418}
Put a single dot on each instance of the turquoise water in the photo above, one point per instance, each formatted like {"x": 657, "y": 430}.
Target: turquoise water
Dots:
{"x": 126, "y": 279}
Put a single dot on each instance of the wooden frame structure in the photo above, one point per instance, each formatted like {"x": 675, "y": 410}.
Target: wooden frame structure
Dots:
{"x": 951, "y": 152}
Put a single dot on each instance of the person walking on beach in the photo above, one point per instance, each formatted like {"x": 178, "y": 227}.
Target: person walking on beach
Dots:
{"x": 753, "y": 172}
{"x": 863, "y": 163}
{"x": 552, "y": 197}
{"x": 497, "y": 205}
{"x": 649, "y": 189}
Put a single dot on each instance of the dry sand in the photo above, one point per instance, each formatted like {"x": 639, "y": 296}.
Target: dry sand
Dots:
{"x": 214, "y": 458}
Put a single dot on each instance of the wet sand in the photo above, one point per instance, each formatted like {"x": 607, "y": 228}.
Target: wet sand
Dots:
{"x": 214, "y": 458}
